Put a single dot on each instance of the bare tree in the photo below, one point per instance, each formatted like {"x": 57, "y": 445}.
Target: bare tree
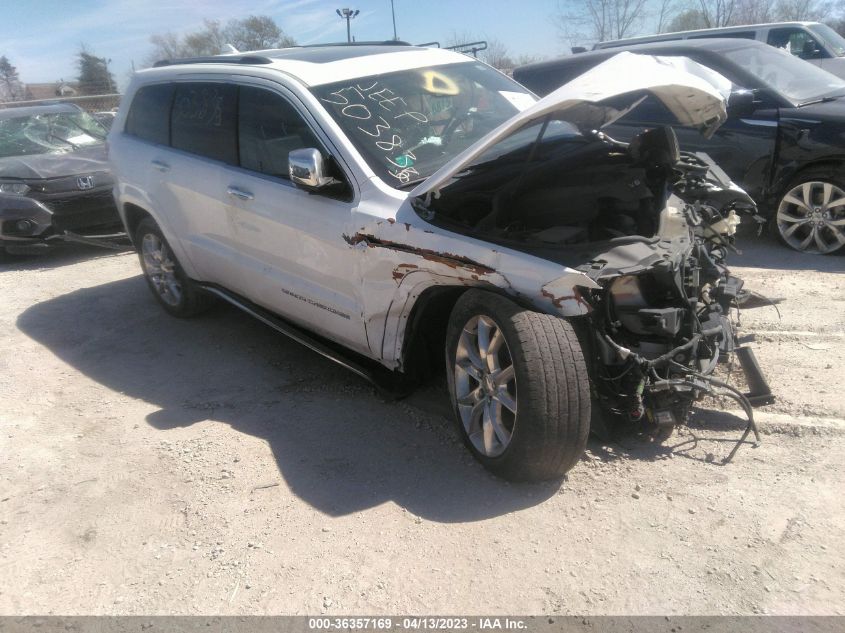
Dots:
{"x": 522, "y": 60}
{"x": 798, "y": 10}
{"x": 167, "y": 46}
{"x": 686, "y": 21}
{"x": 754, "y": 12}
{"x": 666, "y": 11}
{"x": 210, "y": 40}
{"x": 716, "y": 13}
{"x": 11, "y": 88}
{"x": 599, "y": 19}
{"x": 458, "y": 38}
{"x": 254, "y": 32}
{"x": 497, "y": 55}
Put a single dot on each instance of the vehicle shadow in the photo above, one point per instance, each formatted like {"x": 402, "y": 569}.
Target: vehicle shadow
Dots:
{"x": 56, "y": 256}
{"x": 767, "y": 252}
{"x": 685, "y": 443}
{"x": 338, "y": 446}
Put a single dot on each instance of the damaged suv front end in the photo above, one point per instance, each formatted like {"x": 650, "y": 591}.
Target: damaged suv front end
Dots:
{"x": 430, "y": 209}
{"x": 642, "y": 231}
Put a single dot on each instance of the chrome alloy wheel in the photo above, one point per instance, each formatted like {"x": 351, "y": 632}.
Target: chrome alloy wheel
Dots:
{"x": 485, "y": 386}
{"x": 811, "y": 218}
{"x": 160, "y": 268}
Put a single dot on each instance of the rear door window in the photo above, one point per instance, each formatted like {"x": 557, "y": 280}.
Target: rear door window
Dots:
{"x": 269, "y": 128}
{"x": 149, "y": 116}
{"x": 204, "y": 120}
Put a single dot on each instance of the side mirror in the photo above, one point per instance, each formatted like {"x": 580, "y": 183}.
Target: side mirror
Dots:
{"x": 741, "y": 103}
{"x": 307, "y": 169}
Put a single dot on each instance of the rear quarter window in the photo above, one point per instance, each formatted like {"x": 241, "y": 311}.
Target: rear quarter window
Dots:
{"x": 204, "y": 120}
{"x": 149, "y": 115}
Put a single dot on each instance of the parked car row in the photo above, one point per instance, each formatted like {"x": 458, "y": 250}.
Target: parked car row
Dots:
{"x": 784, "y": 140}
{"x": 811, "y": 41}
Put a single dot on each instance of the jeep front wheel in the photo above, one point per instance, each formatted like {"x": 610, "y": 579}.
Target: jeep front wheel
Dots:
{"x": 519, "y": 387}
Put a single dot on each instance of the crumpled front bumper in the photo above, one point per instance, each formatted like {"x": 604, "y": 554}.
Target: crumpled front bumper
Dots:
{"x": 15, "y": 210}
{"x": 26, "y": 220}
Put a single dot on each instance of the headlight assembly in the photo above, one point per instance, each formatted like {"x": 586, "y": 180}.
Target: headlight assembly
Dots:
{"x": 14, "y": 188}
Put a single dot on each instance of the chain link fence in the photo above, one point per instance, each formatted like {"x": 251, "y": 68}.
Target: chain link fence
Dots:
{"x": 89, "y": 103}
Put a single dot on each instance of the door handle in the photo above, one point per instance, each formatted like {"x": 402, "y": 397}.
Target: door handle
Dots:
{"x": 239, "y": 193}
{"x": 161, "y": 165}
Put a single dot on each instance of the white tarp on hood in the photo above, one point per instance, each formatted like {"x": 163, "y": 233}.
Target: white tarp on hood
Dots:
{"x": 695, "y": 94}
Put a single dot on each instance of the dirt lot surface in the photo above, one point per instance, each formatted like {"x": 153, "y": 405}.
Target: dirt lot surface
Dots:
{"x": 158, "y": 466}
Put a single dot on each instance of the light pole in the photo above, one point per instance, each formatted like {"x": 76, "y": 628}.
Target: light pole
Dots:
{"x": 106, "y": 62}
{"x": 347, "y": 14}
{"x": 393, "y": 14}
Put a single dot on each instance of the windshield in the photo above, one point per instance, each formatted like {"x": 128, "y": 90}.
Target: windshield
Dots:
{"x": 790, "y": 76}
{"x": 410, "y": 123}
{"x": 48, "y": 133}
{"x": 832, "y": 39}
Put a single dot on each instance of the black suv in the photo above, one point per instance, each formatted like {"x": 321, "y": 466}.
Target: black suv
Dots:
{"x": 783, "y": 142}
{"x": 55, "y": 182}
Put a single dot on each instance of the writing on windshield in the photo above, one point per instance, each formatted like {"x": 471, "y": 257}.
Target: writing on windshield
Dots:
{"x": 408, "y": 124}
{"x": 376, "y": 112}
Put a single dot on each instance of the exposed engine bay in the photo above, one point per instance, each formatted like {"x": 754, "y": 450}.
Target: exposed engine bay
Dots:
{"x": 653, "y": 227}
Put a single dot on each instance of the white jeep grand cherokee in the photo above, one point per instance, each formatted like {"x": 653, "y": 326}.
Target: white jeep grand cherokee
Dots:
{"x": 391, "y": 206}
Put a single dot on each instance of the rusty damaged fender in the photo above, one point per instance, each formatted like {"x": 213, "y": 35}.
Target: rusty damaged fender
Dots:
{"x": 400, "y": 260}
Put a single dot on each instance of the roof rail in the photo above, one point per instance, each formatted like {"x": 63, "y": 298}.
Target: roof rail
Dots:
{"x": 373, "y": 43}
{"x": 469, "y": 47}
{"x": 217, "y": 59}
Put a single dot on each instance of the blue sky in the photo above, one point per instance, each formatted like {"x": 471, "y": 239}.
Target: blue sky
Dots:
{"x": 41, "y": 37}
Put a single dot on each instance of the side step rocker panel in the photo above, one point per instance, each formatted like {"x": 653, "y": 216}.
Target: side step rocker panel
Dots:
{"x": 391, "y": 384}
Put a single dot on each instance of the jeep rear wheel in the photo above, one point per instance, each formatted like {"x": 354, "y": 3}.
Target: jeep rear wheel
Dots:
{"x": 174, "y": 290}
{"x": 811, "y": 214}
{"x": 519, "y": 387}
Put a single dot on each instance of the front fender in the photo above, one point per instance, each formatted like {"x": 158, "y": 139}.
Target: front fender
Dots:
{"x": 399, "y": 261}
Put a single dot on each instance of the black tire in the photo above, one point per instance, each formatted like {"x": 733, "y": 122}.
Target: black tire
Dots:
{"x": 191, "y": 300}
{"x": 818, "y": 177}
{"x": 9, "y": 257}
{"x": 549, "y": 429}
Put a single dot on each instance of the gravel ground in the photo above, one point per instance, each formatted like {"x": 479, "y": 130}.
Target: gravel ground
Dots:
{"x": 159, "y": 466}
